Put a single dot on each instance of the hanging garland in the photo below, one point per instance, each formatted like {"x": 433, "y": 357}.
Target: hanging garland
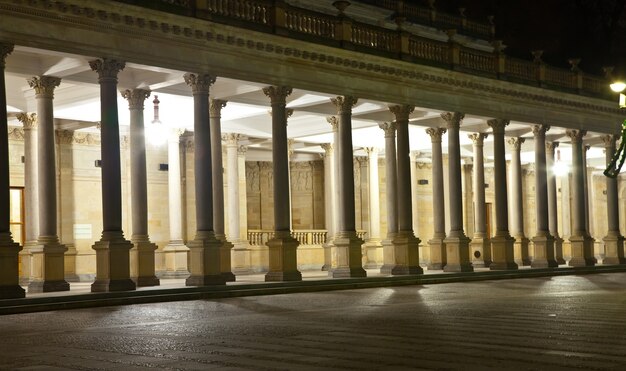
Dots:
{"x": 612, "y": 171}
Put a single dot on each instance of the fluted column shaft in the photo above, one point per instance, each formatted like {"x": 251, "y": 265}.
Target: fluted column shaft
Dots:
{"x": 517, "y": 198}
{"x": 174, "y": 188}
{"x": 439, "y": 221}
{"x": 334, "y": 123}
{"x": 553, "y": 220}
{"x": 481, "y": 256}
{"x": 585, "y": 148}
{"x": 391, "y": 178}
{"x": 328, "y": 188}
{"x": 613, "y": 241}
{"x": 31, "y": 199}
{"x": 405, "y": 215}
{"x": 374, "y": 201}
{"x": 215, "y": 117}
{"x": 9, "y": 250}
{"x": 232, "y": 163}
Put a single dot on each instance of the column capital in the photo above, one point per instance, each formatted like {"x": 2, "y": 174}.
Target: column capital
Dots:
{"x": 538, "y": 129}
{"x": 436, "y": 134}
{"x": 498, "y": 125}
{"x": 478, "y": 139}
{"x": 215, "y": 107}
{"x": 241, "y": 150}
{"x": 586, "y": 147}
{"x": 333, "y": 121}
{"x": 389, "y": 128}
{"x": 44, "y": 85}
{"x": 231, "y": 139}
{"x": 371, "y": 151}
{"x": 106, "y": 68}
{"x": 344, "y": 103}
{"x": 199, "y": 82}
{"x": 28, "y": 120}
{"x": 5, "y": 50}
{"x": 609, "y": 140}
{"x": 328, "y": 148}
{"x": 413, "y": 155}
{"x": 136, "y": 97}
{"x": 516, "y": 143}
{"x": 277, "y": 94}
{"x": 551, "y": 146}
{"x": 453, "y": 119}
{"x": 401, "y": 112}
{"x": 576, "y": 135}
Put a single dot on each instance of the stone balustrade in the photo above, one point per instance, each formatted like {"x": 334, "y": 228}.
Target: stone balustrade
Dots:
{"x": 306, "y": 237}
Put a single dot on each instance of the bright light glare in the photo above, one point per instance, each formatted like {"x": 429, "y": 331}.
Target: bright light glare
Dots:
{"x": 560, "y": 168}
{"x": 618, "y": 86}
{"x": 156, "y": 133}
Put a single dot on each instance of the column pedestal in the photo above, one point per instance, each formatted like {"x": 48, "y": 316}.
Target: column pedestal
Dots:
{"x": 437, "y": 253}
{"x": 582, "y": 251}
{"x": 543, "y": 246}
{"x": 9, "y": 281}
{"x": 225, "y": 260}
{"x": 371, "y": 251}
{"x": 502, "y": 253}
{"x": 346, "y": 250}
{"x": 558, "y": 250}
{"x": 204, "y": 255}
{"x": 405, "y": 250}
{"x": 283, "y": 250}
{"x": 327, "y": 255}
{"x": 112, "y": 259}
{"x": 240, "y": 257}
{"x": 175, "y": 260}
{"x": 481, "y": 250}
{"x": 457, "y": 259}
{"x": 520, "y": 248}
{"x": 70, "y": 263}
{"x": 48, "y": 260}
{"x": 614, "y": 249}
{"x": 142, "y": 262}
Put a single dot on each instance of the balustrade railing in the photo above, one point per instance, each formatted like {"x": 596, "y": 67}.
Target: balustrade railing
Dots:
{"x": 306, "y": 237}
{"x": 323, "y": 28}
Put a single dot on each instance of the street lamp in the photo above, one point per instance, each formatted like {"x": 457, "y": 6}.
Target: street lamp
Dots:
{"x": 613, "y": 168}
{"x": 157, "y": 132}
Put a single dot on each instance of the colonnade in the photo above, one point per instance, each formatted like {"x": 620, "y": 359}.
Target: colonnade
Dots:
{"x": 124, "y": 265}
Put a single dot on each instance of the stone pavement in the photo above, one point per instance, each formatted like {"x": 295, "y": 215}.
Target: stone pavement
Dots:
{"x": 544, "y": 323}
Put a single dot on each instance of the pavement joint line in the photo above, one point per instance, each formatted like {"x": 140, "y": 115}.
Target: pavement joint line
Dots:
{"x": 92, "y": 300}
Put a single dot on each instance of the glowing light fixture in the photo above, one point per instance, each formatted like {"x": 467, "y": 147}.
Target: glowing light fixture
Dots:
{"x": 615, "y": 165}
{"x": 560, "y": 168}
{"x": 157, "y": 132}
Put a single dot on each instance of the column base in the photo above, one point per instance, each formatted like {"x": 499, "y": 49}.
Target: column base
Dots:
{"x": 502, "y": 254}
{"x": 371, "y": 250}
{"x": 346, "y": 256}
{"x": 480, "y": 250}
{"x": 240, "y": 257}
{"x": 112, "y": 263}
{"x": 520, "y": 248}
{"x": 176, "y": 254}
{"x": 558, "y": 250}
{"x": 225, "y": 266}
{"x": 457, "y": 254}
{"x": 402, "y": 257}
{"x": 283, "y": 264}
{"x": 543, "y": 246}
{"x": 9, "y": 270}
{"x": 437, "y": 253}
{"x": 327, "y": 253}
{"x": 143, "y": 252}
{"x": 25, "y": 258}
{"x": 70, "y": 264}
{"x": 582, "y": 251}
{"x": 613, "y": 249}
{"x": 204, "y": 260}
{"x": 48, "y": 266}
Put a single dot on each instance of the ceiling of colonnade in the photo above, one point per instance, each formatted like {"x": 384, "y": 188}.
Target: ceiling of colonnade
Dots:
{"x": 77, "y": 107}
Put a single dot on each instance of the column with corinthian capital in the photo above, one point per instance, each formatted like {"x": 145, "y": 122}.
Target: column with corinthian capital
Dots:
{"x": 346, "y": 250}
{"x": 457, "y": 243}
{"x": 581, "y": 242}
{"x": 481, "y": 245}
{"x": 520, "y": 247}
{"x": 175, "y": 252}
{"x": 502, "y": 254}
{"x": 391, "y": 189}
{"x": 373, "y": 245}
{"x": 31, "y": 196}
{"x": 552, "y": 203}
{"x": 205, "y": 249}
{"x": 543, "y": 242}
{"x": 9, "y": 250}
{"x": 112, "y": 251}
{"x": 215, "y": 117}
{"x": 436, "y": 245}
{"x": 613, "y": 241}
{"x": 47, "y": 265}
{"x": 329, "y": 200}
{"x": 283, "y": 262}
{"x": 142, "y": 253}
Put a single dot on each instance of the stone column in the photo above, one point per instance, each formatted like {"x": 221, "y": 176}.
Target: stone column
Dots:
{"x": 553, "y": 220}
{"x": 329, "y": 200}
{"x": 112, "y": 251}
{"x": 373, "y": 243}
{"x": 457, "y": 244}
{"x": 613, "y": 241}
{"x": 175, "y": 252}
{"x": 405, "y": 244}
{"x": 9, "y": 250}
{"x": 205, "y": 249}
{"x": 240, "y": 246}
{"x": 346, "y": 252}
{"x": 436, "y": 245}
{"x": 215, "y": 117}
{"x": 142, "y": 253}
{"x": 283, "y": 262}
{"x": 48, "y": 267}
{"x": 502, "y": 255}
{"x": 481, "y": 245}
{"x": 581, "y": 242}
{"x": 31, "y": 195}
{"x": 589, "y": 226}
{"x": 391, "y": 188}
{"x": 414, "y": 193}
{"x": 517, "y": 203}
{"x": 543, "y": 242}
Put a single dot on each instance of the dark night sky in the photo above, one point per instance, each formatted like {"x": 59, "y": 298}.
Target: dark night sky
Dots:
{"x": 593, "y": 30}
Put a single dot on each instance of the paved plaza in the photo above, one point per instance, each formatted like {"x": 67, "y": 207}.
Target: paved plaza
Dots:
{"x": 551, "y": 323}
